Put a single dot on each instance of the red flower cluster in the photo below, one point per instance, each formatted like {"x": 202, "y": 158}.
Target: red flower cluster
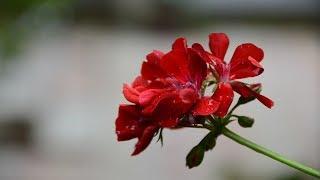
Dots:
{"x": 170, "y": 87}
{"x": 244, "y": 63}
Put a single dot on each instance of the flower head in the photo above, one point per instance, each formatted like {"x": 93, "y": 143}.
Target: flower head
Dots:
{"x": 244, "y": 63}
{"x": 168, "y": 89}
{"x": 169, "y": 92}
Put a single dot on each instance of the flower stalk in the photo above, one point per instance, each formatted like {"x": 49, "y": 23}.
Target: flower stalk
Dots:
{"x": 262, "y": 150}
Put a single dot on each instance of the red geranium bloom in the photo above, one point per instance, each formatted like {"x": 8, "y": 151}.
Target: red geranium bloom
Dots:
{"x": 131, "y": 123}
{"x": 244, "y": 63}
{"x": 168, "y": 89}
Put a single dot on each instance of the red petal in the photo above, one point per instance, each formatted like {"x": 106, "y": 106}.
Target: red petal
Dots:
{"x": 218, "y": 43}
{"x": 242, "y": 89}
{"x": 245, "y": 91}
{"x": 224, "y": 95}
{"x": 180, "y": 44}
{"x": 245, "y": 50}
{"x": 127, "y": 122}
{"x": 151, "y": 68}
{"x": 145, "y": 139}
{"x": 171, "y": 108}
{"x": 198, "y": 47}
{"x": 130, "y": 93}
{"x": 206, "y": 56}
{"x": 188, "y": 95}
{"x": 184, "y": 64}
{"x": 205, "y": 106}
{"x": 248, "y": 68}
{"x": 148, "y": 96}
{"x": 155, "y": 57}
{"x": 245, "y": 61}
{"x": 154, "y": 100}
{"x": 265, "y": 101}
{"x": 197, "y": 68}
{"x": 139, "y": 81}
{"x": 255, "y": 87}
{"x": 169, "y": 123}
{"x": 213, "y": 61}
{"x": 203, "y": 53}
{"x": 176, "y": 63}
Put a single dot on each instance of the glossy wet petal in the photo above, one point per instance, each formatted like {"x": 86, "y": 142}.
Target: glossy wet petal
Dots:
{"x": 127, "y": 122}
{"x": 205, "y": 106}
{"x": 224, "y": 95}
{"x": 188, "y": 95}
{"x": 176, "y": 63}
{"x": 245, "y": 61}
{"x": 218, "y": 43}
{"x": 216, "y": 63}
{"x": 246, "y": 91}
{"x": 151, "y": 68}
{"x": 180, "y": 44}
{"x": 172, "y": 108}
{"x": 197, "y": 68}
{"x": 243, "y": 51}
{"x": 139, "y": 82}
{"x": 156, "y": 99}
{"x": 169, "y": 123}
{"x": 247, "y": 68}
{"x": 155, "y": 56}
{"x": 145, "y": 139}
{"x": 130, "y": 93}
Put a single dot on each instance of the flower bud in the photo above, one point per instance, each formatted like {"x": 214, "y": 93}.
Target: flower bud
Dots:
{"x": 245, "y": 121}
{"x": 209, "y": 141}
{"x": 195, "y": 156}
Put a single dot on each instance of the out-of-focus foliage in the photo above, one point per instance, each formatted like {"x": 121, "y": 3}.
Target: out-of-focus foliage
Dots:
{"x": 19, "y": 17}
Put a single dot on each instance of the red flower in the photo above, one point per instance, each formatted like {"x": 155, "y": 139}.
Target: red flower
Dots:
{"x": 168, "y": 89}
{"x": 171, "y": 80}
{"x": 244, "y": 63}
{"x": 130, "y": 124}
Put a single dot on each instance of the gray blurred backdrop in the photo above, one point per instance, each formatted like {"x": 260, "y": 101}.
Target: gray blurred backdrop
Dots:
{"x": 63, "y": 63}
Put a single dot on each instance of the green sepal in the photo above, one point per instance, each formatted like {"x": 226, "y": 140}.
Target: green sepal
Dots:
{"x": 209, "y": 141}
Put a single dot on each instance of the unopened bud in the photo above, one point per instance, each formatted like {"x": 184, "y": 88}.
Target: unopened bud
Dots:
{"x": 245, "y": 121}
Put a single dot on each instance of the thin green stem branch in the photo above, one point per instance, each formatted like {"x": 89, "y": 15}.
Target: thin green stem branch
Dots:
{"x": 234, "y": 108}
{"x": 269, "y": 153}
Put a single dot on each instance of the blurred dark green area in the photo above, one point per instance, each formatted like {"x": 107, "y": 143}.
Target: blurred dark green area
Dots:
{"x": 11, "y": 9}
{"x": 18, "y": 18}
{"x": 21, "y": 18}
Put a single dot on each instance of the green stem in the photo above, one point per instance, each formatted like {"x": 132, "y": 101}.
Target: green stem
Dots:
{"x": 234, "y": 108}
{"x": 269, "y": 153}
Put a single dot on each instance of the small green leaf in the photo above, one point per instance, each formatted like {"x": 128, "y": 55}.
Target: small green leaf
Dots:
{"x": 209, "y": 141}
{"x": 245, "y": 121}
{"x": 195, "y": 156}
